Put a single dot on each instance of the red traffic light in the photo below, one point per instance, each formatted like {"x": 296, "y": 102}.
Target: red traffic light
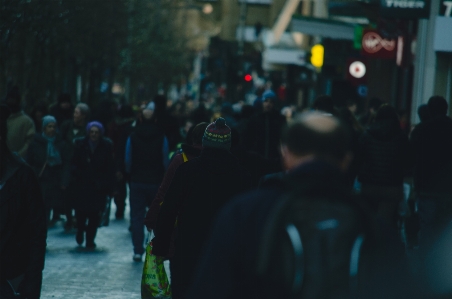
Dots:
{"x": 248, "y": 77}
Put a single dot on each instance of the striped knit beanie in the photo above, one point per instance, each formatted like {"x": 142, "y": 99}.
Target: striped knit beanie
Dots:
{"x": 217, "y": 135}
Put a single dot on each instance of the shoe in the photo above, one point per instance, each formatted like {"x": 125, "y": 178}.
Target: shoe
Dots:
{"x": 90, "y": 245}
{"x": 137, "y": 257}
{"x": 80, "y": 237}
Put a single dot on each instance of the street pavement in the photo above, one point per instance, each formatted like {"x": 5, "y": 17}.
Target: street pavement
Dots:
{"x": 73, "y": 272}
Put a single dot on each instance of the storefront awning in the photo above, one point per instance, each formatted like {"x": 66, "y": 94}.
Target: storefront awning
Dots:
{"x": 323, "y": 27}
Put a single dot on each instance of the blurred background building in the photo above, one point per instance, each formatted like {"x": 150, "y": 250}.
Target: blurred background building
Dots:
{"x": 397, "y": 50}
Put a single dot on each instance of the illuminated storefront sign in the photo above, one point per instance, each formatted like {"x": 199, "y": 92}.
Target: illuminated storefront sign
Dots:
{"x": 374, "y": 45}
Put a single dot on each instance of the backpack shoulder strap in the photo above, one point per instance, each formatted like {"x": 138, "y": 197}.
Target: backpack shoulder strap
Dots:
{"x": 184, "y": 156}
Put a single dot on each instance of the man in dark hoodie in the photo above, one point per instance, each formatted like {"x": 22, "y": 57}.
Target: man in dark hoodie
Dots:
{"x": 23, "y": 229}
{"x": 198, "y": 190}
{"x": 146, "y": 160}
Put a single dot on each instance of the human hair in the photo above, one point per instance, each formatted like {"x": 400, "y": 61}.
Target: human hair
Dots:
{"x": 318, "y": 134}
{"x": 387, "y": 113}
{"x": 437, "y": 106}
{"x": 423, "y": 112}
{"x": 84, "y": 109}
{"x": 197, "y": 133}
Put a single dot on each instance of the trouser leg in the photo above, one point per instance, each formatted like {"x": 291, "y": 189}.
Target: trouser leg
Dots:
{"x": 137, "y": 210}
{"x": 91, "y": 228}
{"x": 120, "y": 199}
{"x": 81, "y": 217}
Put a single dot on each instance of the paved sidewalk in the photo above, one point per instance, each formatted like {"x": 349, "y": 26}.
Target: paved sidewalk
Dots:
{"x": 72, "y": 272}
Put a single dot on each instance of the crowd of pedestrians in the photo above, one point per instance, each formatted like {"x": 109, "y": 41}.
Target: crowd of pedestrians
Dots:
{"x": 208, "y": 181}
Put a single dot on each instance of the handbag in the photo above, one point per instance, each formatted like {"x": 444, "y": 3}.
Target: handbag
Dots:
{"x": 154, "y": 281}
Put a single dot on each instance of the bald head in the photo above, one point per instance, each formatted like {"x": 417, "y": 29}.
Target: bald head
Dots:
{"x": 318, "y": 122}
{"x": 318, "y": 135}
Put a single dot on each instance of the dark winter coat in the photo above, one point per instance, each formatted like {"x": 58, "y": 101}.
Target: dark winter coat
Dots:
{"x": 263, "y": 134}
{"x": 52, "y": 177}
{"x": 23, "y": 228}
{"x": 152, "y": 214}
{"x": 93, "y": 174}
{"x": 147, "y": 154}
{"x": 384, "y": 156}
{"x": 199, "y": 189}
{"x": 229, "y": 261}
{"x": 432, "y": 144}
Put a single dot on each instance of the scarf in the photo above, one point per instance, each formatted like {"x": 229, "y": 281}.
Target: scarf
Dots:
{"x": 53, "y": 155}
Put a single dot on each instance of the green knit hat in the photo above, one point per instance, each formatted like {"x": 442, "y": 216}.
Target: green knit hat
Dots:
{"x": 217, "y": 135}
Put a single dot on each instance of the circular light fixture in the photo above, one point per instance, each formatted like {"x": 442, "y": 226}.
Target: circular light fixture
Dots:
{"x": 207, "y": 8}
{"x": 357, "y": 69}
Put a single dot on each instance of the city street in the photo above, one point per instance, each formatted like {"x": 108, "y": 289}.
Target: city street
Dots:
{"x": 108, "y": 272}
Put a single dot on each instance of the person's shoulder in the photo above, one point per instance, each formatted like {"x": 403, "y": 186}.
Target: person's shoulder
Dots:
{"x": 26, "y": 119}
{"x": 255, "y": 201}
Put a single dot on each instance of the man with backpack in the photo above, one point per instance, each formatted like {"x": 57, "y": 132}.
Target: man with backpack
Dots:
{"x": 305, "y": 238}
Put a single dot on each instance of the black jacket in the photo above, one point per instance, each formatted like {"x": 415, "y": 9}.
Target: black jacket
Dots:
{"x": 432, "y": 144}
{"x": 229, "y": 261}
{"x": 93, "y": 174}
{"x": 198, "y": 190}
{"x": 147, "y": 154}
{"x": 23, "y": 228}
{"x": 384, "y": 155}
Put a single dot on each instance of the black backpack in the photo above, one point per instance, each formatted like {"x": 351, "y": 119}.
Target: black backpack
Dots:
{"x": 312, "y": 248}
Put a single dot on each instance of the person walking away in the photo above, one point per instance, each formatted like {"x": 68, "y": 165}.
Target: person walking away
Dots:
{"x": 21, "y": 128}
{"x": 63, "y": 109}
{"x": 431, "y": 141}
{"x": 263, "y": 133}
{"x": 93, "y": 174}
{"x": 146, "y": 160}
{"x": 316, "y": 154}
{"x": 23, "y": 229}
{"x": 190, "y": 150}
{"x": 197, "y": 192}
{"x": 384, "y": 155}
{"x": 126, "y": 116}
{"x": 71, "y": 130}
{"x": 48, "y": 155}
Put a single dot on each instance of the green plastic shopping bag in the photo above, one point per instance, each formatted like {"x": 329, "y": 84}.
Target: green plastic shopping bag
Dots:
{"x": 154, "y": 281}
